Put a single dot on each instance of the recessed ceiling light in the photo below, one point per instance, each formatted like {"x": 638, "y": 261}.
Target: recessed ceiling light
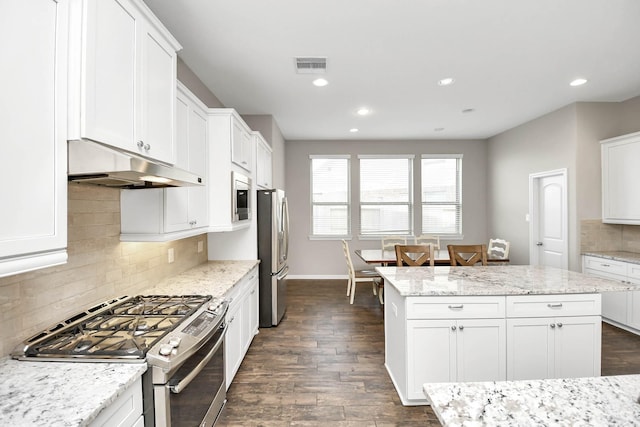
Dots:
{"x": 353, "y": 130}
{"x": 468, "y": 110}
{"x": 578, "y": 82}
{"x": 446, "y": 81}
{"x": 320, "y": 82}
{"x": 438, "y": 129}
{"x": 363, "y": 111}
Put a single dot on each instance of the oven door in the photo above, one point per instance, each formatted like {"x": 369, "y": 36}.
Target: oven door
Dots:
{"x": 196, "y": 393}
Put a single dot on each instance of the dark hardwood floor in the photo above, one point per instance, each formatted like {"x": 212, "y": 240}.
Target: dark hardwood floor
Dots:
{"x": 324, "y": 365}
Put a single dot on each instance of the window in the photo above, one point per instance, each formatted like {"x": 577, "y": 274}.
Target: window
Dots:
{"x": 330, "y": 212}
{"x": 442, "y": 194}
{"x": 386, "y": 195}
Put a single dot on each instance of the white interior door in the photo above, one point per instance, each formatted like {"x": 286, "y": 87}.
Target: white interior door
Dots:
{"x": 549, "y": 220}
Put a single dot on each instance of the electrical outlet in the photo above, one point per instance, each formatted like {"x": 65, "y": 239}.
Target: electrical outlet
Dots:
{"x": 200, "y": 246}
{"x": 171, "y": 255}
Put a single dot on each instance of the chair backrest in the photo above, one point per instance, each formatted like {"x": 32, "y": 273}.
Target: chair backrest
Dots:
{"x": 428, "y": 239}
{"x": 347, "y": 256}
{"x": 414, "y": 255}
{"x": 467, "y": 254}
{"x": 498, "y": 249}
{"x": 389, "y": 242}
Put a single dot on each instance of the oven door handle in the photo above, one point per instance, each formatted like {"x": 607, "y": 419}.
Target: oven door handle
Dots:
{"x": 177, "y": 388}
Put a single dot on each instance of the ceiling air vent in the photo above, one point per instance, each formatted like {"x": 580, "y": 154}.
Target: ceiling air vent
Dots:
{"x": 310, "y": 65}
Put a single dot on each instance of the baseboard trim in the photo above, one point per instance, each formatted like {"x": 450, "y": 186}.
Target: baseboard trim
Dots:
{"x": 317, "y": 277}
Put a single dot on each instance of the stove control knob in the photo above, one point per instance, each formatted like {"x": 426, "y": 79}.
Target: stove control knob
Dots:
{"x": 174, "y": 342}
{"x": 212, "y": 307}
{"x": 165, "y": 350}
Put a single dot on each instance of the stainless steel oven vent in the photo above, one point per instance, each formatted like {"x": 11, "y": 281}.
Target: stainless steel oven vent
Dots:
{"x": 311, "y": 65}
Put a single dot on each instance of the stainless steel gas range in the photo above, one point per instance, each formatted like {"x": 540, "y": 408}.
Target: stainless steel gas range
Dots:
{"x": 180, "y": 337}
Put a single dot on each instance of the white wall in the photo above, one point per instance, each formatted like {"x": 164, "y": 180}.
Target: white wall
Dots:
{"x": 324, "y": 258}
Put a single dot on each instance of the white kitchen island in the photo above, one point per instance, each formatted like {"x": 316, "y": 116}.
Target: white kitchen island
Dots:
{"x": 455, "y": 324}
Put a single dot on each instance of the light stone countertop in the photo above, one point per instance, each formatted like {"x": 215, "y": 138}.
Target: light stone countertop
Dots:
{"x": 56, "y": 394}
{"x": 74, "y": 393}
{"x": 213, "y": 278}
{"x": 495, "y": 280}
{"x": 631, "y": 257}
{"x": 597, "y": 401}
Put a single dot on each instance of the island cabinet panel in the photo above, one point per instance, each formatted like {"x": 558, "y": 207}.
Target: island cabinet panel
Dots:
{"x": 442, "y": 339}
{"x": 548, "y": 347}
{"x": 553, "y": 336}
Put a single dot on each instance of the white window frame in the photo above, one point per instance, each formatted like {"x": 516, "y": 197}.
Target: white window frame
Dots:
{"x": 313, "y": 236}
{"x": 410, "y": 159}
{"x": 460, "y": 204}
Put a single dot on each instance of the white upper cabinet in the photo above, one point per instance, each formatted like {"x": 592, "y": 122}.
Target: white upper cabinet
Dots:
{"x": 123, "y": 77}
{"x": 264, "y": 168}
{"x": 241, "y": 143}
{"x": 33, "y": 218}
{"x": 173, "y": 213}
{"x": 620, "y": 175}
{"x": 231, "y": 150}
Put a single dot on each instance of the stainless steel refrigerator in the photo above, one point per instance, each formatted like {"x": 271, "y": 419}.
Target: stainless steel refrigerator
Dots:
{"x": 273, "y": 248}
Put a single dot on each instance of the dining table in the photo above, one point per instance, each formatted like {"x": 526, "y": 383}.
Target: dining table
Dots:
{"x": 387, "y": 257}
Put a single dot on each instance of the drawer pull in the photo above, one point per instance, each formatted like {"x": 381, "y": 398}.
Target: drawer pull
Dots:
{"x": 456, "y": 307}
{"x": 557, "y": 305}
{"x": 605, "y": 265}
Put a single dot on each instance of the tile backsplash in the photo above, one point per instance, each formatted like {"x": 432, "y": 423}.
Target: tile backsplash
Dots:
{"x": 100, "y": 267}
{"x": 597, "y": 236}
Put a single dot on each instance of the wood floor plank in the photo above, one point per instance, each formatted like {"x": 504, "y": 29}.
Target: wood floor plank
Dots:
{"x": 324, "y": 365}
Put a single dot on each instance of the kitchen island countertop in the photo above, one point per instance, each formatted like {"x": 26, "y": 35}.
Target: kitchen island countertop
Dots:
{"x": 624, "y": 256}
{"x": 74, "y": 393}
{"x": 495, "y": 280}
{"x": 598, "y": 401}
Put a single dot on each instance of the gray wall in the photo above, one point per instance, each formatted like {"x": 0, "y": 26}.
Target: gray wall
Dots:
{"x": 324, "y": 258}
{"x": 544, "y": 144}
{"x": 195, "y": 85}
{"x": 566, "y": 138}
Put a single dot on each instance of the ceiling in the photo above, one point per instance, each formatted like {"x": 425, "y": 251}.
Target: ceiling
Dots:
{"x": 512, "y": 61}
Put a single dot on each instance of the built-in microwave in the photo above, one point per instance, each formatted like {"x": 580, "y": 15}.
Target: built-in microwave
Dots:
{"x": 241, "y": 195}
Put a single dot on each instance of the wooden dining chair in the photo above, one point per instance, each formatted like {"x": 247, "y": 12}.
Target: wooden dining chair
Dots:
{"x": 414, "y": 255}
{"x": 498, "y": 249}
{"x": 431, "y": 239}
{"x": 467, "y": 255}
{"x": 359, "y": 276}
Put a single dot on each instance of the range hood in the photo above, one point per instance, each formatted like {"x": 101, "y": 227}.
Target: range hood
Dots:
{"x": 93, "y": 163}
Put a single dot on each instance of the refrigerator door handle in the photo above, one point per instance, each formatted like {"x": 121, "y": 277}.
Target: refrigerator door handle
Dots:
{"x": 282, "y": 273}
{"x": 285, "y": 226}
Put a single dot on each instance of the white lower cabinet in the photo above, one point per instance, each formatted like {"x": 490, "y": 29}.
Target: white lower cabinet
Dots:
{"x": 454, "y": 350}
{"x": 488, "y": 338}
{"x": 553, "y": 347}
{"x": 242, "y": 323}
{"x": 620, "y": 308}
{"x": 125, "y": 411}
{"x": 553, "y": 336}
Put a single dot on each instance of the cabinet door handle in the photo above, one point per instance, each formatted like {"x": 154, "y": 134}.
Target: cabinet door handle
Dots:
{"x": 461, "y": 327}
{"x": 557, "y": 305}
{"x": 552, "y": 326}
{"x": 140, "y": 144}
{"x": 147, "y": 147}
{"x": 456, "y": 307}
{"x": 559, "y": 325}
{"x": 453, "y": 328}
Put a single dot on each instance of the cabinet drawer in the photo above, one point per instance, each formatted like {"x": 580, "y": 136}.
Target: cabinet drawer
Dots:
{"x": 455, "y": 307}
{"x": 605, "y": 265}
{"x": 554, "y": 305}
{"x": 633, "y": 272}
